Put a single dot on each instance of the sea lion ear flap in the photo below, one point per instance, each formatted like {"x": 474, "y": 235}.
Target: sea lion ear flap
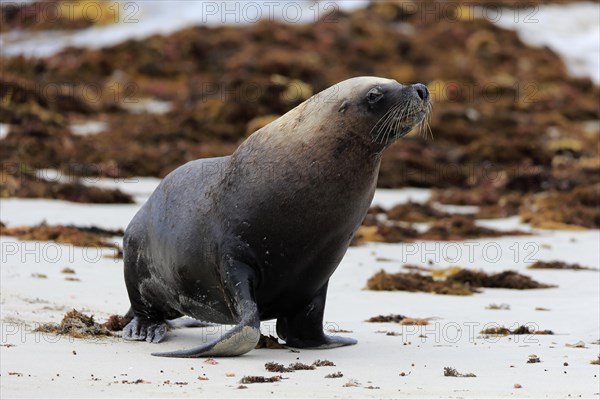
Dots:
{"x": 344, "y": 106}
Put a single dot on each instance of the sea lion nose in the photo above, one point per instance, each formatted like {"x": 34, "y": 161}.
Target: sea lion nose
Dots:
{"x": 422, "y": 91}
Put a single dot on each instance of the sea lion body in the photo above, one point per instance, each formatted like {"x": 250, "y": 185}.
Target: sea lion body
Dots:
{"x": 257, "y": 235}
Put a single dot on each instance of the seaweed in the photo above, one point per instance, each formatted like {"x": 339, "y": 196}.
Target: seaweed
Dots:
{"x": 116, "y": 323}
{"x": 460, "y": 227}
{"x": 298, "y": 366}
{"x": 460, "y": 282}
{"x": 24, "y": 184}
{"x": 415, "y": 212}
{"x": 260, "y": 379}
{"x": 387, "y": 318}
{"x": 449, "y": 371}
{"x": 269, "y": 342}
{"x": 275, "y": 367}
{"x": 323, "y": 363}
{"x": 77, "y": 325}
{"x": 559, "y": 265}
{"x": 521, "y": 330}
{"x": 65, "y": 234}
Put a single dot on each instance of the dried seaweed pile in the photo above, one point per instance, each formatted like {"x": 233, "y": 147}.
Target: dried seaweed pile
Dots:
{"x": 559, "y": 265}
{"x": 78, "y": 236}
{"x": 460, "y": 282}
{"x": 23, "y": 183}
{"x": 79, "y": 325}
{"x": 521, "y": 330}
{"x": 446, "y": 227}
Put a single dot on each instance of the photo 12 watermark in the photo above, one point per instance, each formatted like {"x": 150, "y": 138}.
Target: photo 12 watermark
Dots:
{"x": 28, "y": 14}
{"x": 37, "y": 252}
{"x": 490, "y": 252}
{"x": 67, "y": 173}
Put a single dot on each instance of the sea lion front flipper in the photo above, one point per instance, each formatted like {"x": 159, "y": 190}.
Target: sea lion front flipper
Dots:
{"x": 145, "y": 329}
{"x": 241, "y": 338}
{"x": 304, "y": 329}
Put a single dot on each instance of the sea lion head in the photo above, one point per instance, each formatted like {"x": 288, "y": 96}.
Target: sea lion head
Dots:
{"x": 382, "y": 109}
{"x": 363, "y": 113}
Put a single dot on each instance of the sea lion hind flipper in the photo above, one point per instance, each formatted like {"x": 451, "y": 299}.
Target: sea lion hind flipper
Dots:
{"x": 304, "y": 329}
{"x": 241, "y": 338}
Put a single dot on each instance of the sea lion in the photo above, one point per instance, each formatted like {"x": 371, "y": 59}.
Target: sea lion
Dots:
{"x": 256, "y": 235}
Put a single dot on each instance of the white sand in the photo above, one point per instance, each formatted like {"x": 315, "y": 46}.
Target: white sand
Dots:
{"x": 141, "y": 19}
{"x": 571, "y": 30}
{"x": 49, "y": 368}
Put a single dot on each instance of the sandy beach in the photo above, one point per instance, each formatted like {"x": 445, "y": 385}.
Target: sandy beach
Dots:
{"x": 411, "y": 364}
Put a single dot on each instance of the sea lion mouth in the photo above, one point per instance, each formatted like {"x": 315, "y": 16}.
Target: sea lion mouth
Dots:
{"x": 402, "y": 118}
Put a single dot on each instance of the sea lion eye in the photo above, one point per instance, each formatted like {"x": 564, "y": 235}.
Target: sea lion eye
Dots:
{"x": 374, "y": 95}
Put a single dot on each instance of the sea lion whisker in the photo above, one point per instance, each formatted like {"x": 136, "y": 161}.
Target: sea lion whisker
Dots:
{"x": 378, "y": 125}
{"x": 389, "y": 128}
{"x": 387, "y": 118}
{"x": 422, "y": 125}
{"x": 393, "y": 123}
{"x": 396, "y": 128}
{"x": 383, "y": 123}
{"x": 428, "y": 119}
{"x": 406, "y": 112}
{"x": 390, "y": 116}
{"x": 430, "y": 131}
